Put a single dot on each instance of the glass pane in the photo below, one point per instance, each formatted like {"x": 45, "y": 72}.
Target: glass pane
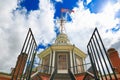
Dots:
{"x": 62, "y": 62}
{"x": 79, "y": 64}
{"x": 45, "y": 65}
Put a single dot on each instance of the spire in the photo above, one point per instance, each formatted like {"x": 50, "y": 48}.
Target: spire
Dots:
{"x": 62, "y": 28}
{"x": 62, "y": 21}
{"x": 62, "y": 38}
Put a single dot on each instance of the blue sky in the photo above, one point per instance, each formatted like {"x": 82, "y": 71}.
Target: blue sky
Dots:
{"x": 94, "y": 6}
{"x": 42, "y": 16}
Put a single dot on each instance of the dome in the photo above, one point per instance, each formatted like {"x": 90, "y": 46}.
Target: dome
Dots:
{"x": 62, "y": 39}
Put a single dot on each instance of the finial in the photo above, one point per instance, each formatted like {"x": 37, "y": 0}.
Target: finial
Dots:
{"x": 62, "y": 21}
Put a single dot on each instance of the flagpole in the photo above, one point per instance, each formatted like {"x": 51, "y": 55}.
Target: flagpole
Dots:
{"x": 61, "y": 20}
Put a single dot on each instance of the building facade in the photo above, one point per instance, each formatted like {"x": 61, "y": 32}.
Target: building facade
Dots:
{"x": 62, "y": 55}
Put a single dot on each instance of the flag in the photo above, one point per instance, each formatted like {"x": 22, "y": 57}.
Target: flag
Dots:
{"x": 72, "y": 11}
{"x": 66, "y": 10}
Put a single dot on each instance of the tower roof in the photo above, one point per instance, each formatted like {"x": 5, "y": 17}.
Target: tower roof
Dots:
{"x": 62, "y": 39}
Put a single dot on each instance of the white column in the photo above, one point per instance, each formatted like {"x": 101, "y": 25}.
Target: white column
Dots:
{"x": 53, "y": 62}
{"x": 85, "y": 66}
{"x": 74, "y": 59}
{"x": 71, "y": 61}
{"x": 40, "y": 63}
{"x": 50, "y": 62}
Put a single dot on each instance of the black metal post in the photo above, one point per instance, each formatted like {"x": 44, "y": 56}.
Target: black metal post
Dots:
{"x": 97, "y": 64}
{"x": 99, "y": 57}
{"x": 100, "y": 61}
{"x": 107, "y": 56}
{"x": 29, "y": 48}
{"x": 20, "y": 53}
{"x": 92, "y": 64}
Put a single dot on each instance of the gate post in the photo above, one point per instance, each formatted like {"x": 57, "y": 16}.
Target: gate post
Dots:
{"x": 23, "y": 68}
{"x": 99, "y": 58}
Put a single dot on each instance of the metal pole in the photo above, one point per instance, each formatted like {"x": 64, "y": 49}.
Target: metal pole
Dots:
{"x": 92, "y": 63}
{"x": 96, "y": 57}
{"x": 100, "y": 61}
{"x": 20, "y": 53}
{"x": 29, "y": 59}
{"x": 106, "y": 55}
{"x": 34, "y": 54}
{"x": 28, "y": 56}
{"x": 94, "y": 60}
{"x": 103, "y": 57}
{"x": 26, "y": 47}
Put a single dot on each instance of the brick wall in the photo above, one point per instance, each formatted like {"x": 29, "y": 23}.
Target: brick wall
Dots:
{"x": 114, "y": 58}
{"x": 4, "y": 76}
{"x": 20, "y": 67}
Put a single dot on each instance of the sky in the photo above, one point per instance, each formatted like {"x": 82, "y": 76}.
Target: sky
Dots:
{"x": 17, "y": 16}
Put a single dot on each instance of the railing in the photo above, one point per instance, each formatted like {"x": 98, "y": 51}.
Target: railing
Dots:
{"x": 45, "y": 69}
{"x": 71, "y": 74}
{"x": 80, "y": 68}
{"x": 53, "y": 74}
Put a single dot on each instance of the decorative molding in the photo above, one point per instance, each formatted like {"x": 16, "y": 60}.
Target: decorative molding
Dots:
{"x": 63, "y": 48}
{"x": 45, "y": 53}
{"x": 79, "y": 52}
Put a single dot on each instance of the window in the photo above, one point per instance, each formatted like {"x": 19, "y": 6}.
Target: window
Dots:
{"x": 45, "y": 64}
{"x": 79, "y": 63}
{"x": 62, "y": 61}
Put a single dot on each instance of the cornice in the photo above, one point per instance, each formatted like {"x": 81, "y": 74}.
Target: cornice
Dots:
{"x": 62, "y": 47}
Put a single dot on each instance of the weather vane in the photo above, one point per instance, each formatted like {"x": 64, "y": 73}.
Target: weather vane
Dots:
{"x": 62, "y": 19}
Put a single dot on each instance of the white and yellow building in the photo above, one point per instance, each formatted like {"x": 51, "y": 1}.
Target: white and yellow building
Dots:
{"x": 62, "y": 55}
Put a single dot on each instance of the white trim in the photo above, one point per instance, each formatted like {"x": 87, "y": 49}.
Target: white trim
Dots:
{"x": 62, "y": 50}
{"x": 62, "y": 71}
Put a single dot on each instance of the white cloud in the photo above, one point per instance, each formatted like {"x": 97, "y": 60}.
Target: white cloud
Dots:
{"x": 5, "y": 32}
{"x": 88, "y": 1}
{"x": 13, "y": 29}
{"x": 84, "y": 23}
{"x": 59, "y": 1}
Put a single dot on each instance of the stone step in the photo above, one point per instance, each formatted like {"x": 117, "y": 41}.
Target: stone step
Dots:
{"x": 62, "y": 77}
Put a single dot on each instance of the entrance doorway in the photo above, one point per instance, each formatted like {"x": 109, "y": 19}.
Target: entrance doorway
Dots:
{"x": 62, "y": 63}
